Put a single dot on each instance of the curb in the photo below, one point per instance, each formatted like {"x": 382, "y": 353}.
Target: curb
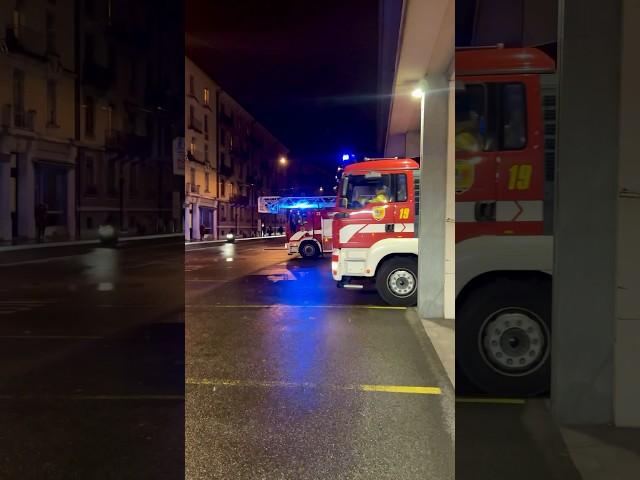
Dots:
{"x": 73, "y": 243}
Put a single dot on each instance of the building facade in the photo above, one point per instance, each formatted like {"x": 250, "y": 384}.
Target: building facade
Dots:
{"x": 124, "y": 119}
{"x": 88, "y": 96}
{"x": 231, "y": 160}
{"x": 201, "y": 185}
{"x": 37, "y": 150}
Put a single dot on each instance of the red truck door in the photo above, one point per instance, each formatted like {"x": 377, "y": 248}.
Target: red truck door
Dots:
{"x": 497, "y": 143}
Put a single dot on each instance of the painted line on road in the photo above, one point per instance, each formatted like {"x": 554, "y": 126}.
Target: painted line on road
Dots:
{"x": 284, "y": 305}
{"x": 494, "y": 401}
{"x": 416, "y": 390}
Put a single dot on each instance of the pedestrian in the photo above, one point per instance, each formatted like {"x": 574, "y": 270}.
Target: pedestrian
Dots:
{"x": 203, "y": 230}
{"x": 263, "y": 230}
{"x": 280, "y": 230}
{"x": 269, "y": 231}
{"x": 41, "y": 220}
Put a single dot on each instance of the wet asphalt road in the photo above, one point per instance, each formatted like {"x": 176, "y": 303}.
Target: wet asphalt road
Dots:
{"x": 282, "y": 369}
{"x": 92, "y": 362}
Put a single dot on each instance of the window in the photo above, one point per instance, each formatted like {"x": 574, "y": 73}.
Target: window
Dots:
{"x": 89, "y": 117}
{"x": 471, "y": 119}
{"x": 401, "y": 187}
{"x": 514, "y": 123}
{"x": 111, "y": 177}
{"x": 18, "y": 21}
{"x": 222, "y": 192}
{"x": 51, "y": 33}
{"x": 192, "y": 146}
{"x": 19, "y": 116}
{"x": 206, "y": 153}
{"x": 360, "y": 190}
{"x": 52, "y": 103}
{"x": 133, "y": 179}
{"x": 206, "y": 126}
{"x": 191, "y": 85}
{"x": 491, "y": 117}
{"x": 192, "y": 176}
{"x": 191, "y": 115}
{"x": 133, "y": 78}
{"x": 90, "y": 175}
{"x": 206, "y": 181}
{"x": 88, "y": 48}
{"x": 205, "y": 96}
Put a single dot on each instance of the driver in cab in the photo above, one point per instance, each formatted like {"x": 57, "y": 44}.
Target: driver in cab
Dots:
{"x": 381, "y": 196}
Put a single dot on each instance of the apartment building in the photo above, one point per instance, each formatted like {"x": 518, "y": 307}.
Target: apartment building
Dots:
{"x": 201, "y": 184}
{"x": 231, "y": 160}
{"x": 124, "y": 131}
{"x": 37, "y": 151}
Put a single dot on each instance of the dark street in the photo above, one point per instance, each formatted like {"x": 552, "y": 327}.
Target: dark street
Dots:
{"x": 92, "y": 384}
{"x": 290, "y": 377}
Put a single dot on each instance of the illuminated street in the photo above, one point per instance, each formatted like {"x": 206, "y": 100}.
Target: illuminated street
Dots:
{"x": 92, "y": 377}
{"x": 282, "y": 370}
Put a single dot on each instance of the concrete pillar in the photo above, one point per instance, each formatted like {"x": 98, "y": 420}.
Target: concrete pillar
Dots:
{"x": 71, "y": 203}
{"x": 627, "y": 354}
{"x": 187, "y": 226}
{"x": 26, "y": 196}
{"x": 195, "y": 223}
{"x": 433, "y": 195}
{"x": 584, "y": 280}
{"x": 5, "y": 197}
{"x": 450, "y": 208}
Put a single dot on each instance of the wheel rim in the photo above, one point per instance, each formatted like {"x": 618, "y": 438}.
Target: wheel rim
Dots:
{"x": 514, "y": 341}
{"x": 308, "y": 250}
{"x": 401, "y": 282}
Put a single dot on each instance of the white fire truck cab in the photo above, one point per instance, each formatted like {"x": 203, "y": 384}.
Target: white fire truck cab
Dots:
{"x": 309, "y": 223}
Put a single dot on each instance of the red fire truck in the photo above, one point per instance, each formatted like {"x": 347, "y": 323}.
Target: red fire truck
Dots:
{"x": 309, "y": 220}
{"x": 505, "y": 157}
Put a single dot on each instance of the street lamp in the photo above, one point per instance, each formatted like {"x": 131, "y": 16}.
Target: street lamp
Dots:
{"x": 321, "y": 189}
{"x": 418, "y": 92}
{"x": 283, "y": 161}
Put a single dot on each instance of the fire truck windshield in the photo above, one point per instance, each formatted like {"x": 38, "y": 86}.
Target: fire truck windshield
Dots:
{"x": 360, "y": 190}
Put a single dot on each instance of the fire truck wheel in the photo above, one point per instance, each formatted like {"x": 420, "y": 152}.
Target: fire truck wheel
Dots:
{"x": 309, "y": 250}
{"x": 397, "y": 281}
{"x": 503, "y": 334}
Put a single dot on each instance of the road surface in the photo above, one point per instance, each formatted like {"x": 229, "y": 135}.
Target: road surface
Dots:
{"x": 289, "y": 377}
{"x": 92, "y": 355}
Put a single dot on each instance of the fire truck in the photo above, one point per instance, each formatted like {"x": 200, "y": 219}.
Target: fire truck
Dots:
{"x": 309, "y": 222}
{"x": 505, "y": 157}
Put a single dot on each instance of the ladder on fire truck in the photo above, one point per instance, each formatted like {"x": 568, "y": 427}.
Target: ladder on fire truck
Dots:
{"x": 277, "y": 204}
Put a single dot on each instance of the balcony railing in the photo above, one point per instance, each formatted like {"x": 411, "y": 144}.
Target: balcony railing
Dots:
{"x": 192, "y": 188}
{"x": 24, "y": 120}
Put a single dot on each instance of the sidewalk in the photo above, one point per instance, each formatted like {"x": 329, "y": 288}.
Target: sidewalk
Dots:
{"x": 32, "y": 244}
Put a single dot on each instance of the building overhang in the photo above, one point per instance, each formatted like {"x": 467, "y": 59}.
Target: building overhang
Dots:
{"x": 425, "y": 46}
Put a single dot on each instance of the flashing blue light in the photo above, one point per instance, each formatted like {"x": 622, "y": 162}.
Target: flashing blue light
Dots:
{"x": 301, "y": 206}
{"x": 345, "y": 157}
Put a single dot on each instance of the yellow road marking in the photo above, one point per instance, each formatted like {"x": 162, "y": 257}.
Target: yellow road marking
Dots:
{"x": 508, "y": 401}
{"x": 284, "y": 305}
{"x": 280, "y": 384}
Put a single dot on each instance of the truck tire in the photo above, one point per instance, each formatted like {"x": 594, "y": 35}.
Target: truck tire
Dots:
{"x": 503, "y": 337}
{"x": 397, "y": 281}
{"x": 309, "y": 249}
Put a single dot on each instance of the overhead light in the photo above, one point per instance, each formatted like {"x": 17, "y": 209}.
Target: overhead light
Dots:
{"x": 417, "y": 93}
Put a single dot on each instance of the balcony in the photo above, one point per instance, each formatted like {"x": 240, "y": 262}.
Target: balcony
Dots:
{"x": 24, "y": 120}
{"x": 195, "y": 124}
{"x": 25, "y": 40}
{"x": 191, "y": 188}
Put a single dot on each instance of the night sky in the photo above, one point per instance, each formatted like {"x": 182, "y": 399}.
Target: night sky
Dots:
{"x": 307, "y": 70}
